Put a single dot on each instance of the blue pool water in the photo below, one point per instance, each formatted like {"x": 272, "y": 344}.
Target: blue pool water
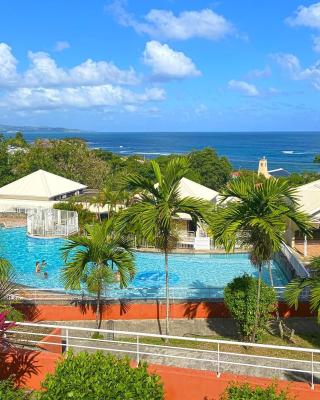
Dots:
{"x": 191, "y": 276}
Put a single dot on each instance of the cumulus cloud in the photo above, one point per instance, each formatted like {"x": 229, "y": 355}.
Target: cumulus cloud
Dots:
{"x": 44, "y": 85}
{"x": 77, "y": 97}
{"x": 259, "y": 73}
{"x": 291, "y": 64}
{"x": 168, "y": 64}
{"x": 306, "y": 16}
{"x": 316, "y": 44}
{"x": 163, "y": 24}
{"x": 61, "y": 46}
{"x": 8, "y": 66}
{"x": 43, "y": 71}
{"x": 244, "y": 87}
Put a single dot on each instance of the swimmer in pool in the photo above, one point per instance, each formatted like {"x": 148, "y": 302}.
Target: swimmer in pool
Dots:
{"x": 37, "y": 267}
{"x": 117, "y": 276}
{"x": 46, "y": 275}
{"x": 43, "y": 264}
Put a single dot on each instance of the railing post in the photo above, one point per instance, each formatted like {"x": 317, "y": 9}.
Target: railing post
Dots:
{"x": 312, "y": 372}
{"x": 218, "y": 372}
{"x": 67, "y": 339}
{"x": 138, "y": 350}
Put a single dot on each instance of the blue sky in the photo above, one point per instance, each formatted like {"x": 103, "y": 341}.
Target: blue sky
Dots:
{"x": 162, "y": 65}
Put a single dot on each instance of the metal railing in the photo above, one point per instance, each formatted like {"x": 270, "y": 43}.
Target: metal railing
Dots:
{"x": 129, "y": 293}
{"x": 215, "y": 355}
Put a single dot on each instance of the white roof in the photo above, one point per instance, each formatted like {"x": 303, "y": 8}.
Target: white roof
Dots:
{"x": 188, "y": 188}
{"x": 309, "y": 197}
{"x": 40, "y": 185}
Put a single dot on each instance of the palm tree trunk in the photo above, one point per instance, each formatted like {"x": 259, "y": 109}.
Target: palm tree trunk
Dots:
{"x": 280, "y": 323}
{"x": 167, "y": 291}
{"x": 98, "y": 311}
{"x": 270, "y": 273}
{"x": 257, "y": 316}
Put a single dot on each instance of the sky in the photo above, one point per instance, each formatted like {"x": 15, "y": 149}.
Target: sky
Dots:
{"x": 169, "y": 65}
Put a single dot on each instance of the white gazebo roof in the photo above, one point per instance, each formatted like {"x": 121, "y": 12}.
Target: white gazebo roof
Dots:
{"x": 309, "y": 197}
{"x": 40, "y": 185}
{"x": 188, "y": 188}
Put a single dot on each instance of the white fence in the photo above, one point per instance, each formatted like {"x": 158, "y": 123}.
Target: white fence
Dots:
{"x": 286, "y": 362}
{"x": 51, "y": 223}
{"x": 297, "y": 265}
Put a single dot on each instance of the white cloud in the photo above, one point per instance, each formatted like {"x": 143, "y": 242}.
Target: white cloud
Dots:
{"x": 8, "y": 66}
{"x": 61, "y": 46}
{"x": 43, "y": 71}
{"x": 316, "y": 44}
{"x": 201, "y": 109}
{"x": 78, "y": 97}
{"x": 244, "y": 87}
{"x": 259, "y": 73}
{"x": 164, "y": 24}
{"x": 306, "y": 16}
{"x": 291, "y": 64}
{"x": 167, "y": 63}
{"x": 44, "y": 85}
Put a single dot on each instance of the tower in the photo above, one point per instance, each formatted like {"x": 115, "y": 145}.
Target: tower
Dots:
{"x": 263, "y": 168}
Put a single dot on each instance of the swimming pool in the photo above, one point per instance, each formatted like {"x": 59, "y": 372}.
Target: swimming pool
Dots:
{"x": 191, "y": 276}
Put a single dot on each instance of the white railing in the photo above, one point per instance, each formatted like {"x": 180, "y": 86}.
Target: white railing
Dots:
{"x": 219, "y": 355}
{"x": 130, "y": 293}
{"x": 292, "y": 258}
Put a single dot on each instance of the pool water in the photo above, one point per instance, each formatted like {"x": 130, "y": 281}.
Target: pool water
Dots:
{"x": 191, "y": 276}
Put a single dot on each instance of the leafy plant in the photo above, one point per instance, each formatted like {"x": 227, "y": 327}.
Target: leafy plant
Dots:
{"x": 9, "y": 392}
{"x": 240, "y": 298}
{"x": 98, "y": 376}
{"x": 4, "y": 327}
{"x": 246, "y": 392}
{"x": 256, "y": 216}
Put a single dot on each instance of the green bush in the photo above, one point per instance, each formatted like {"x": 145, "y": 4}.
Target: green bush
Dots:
{"x": 240, "y": 296}
{"x": 9, "y": 392}
{"x": 97, "y": 376}
{"x": 245, "y": 392}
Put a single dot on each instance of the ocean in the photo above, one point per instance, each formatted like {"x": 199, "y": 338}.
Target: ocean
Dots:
{"x": 293, "y": 151}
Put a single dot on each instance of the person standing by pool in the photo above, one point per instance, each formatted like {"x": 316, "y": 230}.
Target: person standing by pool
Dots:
{"x": 37, "y": 267}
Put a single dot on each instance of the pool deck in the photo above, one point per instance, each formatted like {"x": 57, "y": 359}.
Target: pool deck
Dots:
{"x": 190, "y": 251}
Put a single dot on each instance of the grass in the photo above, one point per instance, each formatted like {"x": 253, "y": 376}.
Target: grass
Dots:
{"x": 306, "y": 341}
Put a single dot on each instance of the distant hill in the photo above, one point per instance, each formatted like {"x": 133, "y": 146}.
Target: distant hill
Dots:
{"x": 43, "y": 129}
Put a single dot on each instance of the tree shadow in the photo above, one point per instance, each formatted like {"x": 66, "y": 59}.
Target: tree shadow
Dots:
{"x": 304, "y": 377}
{"x": 217, "y": 316}
{"x": 19, "y": 365}
{"x": 29, "y": 310}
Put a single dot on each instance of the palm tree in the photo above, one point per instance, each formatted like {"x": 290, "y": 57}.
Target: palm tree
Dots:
{"x": 298, "y": 285}
{"x": 5, "y": 269}
{"x": 256, "y": 216}
{"x": 156, "y": 209}
{"x": 90, "y": 259}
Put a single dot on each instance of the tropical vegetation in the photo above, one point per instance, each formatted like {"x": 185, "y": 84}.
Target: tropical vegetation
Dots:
{"x": 240, "y": 298}
{"x": 8, "y": 391}
{"x": 98, "y": 376}
{"x": 295, "y": 288}
{"x": 257, "y": 218}
{"x": 155, "y": 211}
{"x": 93, "y": 259}
{"x": 246, "y": 392}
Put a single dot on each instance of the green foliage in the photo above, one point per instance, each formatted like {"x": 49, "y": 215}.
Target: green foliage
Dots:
{"x": 298, "y": 179}
{"x": 97, "y": 376}
{"x": 246, "y": 392}
{"x": 240, "y": 296}
{"x": 97, "y": 335}
{"x": 317, "y": 158}
{"x": 13, "y": 314}
{"x": 298, "y": 285}
{"x": 9, "y": 392}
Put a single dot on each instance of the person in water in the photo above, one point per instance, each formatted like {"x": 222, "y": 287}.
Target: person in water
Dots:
{"x": 117, "y": 276}
{"x": 37, "y": 267}
{"x": 46, "y": 275}
{"x": 43, "y": 264}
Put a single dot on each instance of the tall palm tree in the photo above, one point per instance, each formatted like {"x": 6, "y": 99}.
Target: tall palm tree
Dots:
{"x": 156, "y": 209}
{"x": 256, "y": 217}
{"x": 297, "y": 286}
{"x": 90, "y": 259}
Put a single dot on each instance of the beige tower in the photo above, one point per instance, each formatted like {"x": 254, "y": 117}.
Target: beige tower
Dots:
{"x": 263, "y": 168}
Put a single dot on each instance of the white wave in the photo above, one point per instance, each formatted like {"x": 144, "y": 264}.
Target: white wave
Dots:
{"x": 152, "y": 153}
{"x": 288, "y": 152}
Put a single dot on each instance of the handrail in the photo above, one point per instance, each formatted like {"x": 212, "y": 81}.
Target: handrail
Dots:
{"x": 297, "y": 265}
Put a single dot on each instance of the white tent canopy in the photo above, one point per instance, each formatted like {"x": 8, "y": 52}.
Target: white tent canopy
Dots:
{"x": 309, "y": 197}
{"x": 40, "y": 185}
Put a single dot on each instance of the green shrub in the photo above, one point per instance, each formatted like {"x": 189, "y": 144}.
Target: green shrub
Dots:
{"x": 13, "y": 314}
{"x": 9, "y": 392}
{"x": 98, "y": 376}
{"x": 245, "y": 392}
{"x": 240, "y": 296}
